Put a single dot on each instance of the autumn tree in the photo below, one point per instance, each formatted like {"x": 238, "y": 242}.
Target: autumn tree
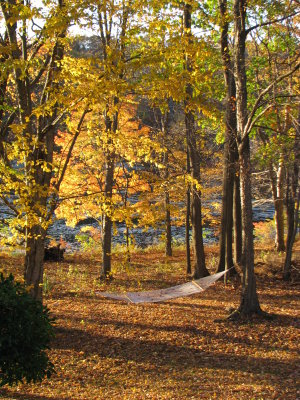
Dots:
{"x": 33, "y": 106}
{"x": 194, "y": 155}
{"x": 247, "y": 116}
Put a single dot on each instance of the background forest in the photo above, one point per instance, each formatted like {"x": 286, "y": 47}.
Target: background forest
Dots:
{"x": 126, "y": 117}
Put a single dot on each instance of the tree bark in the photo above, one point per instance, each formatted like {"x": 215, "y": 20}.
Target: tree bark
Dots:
{"x": 237, "y": 216}
{"x": 107, "y": 220}
{"x": 38, "y": 137}
{"x": 249, "y": 299}
{"x": 225, "y": 252}
{"x": 111, "y": 125}
{"x": 292, "y": 202}
{"x": 34, "y": 262}
{"x": 196, "y": 211}
{"x": 278, "y": 199}
{"x": 187, "y": 218}
{"x": 168, "y": 239}
{"x": 168, "y": 249}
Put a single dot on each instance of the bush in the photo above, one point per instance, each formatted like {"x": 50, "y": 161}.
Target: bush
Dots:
{"x": 25, "y": 333}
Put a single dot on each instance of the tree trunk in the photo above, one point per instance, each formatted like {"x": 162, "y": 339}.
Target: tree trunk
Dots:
{"x": 187, "y": 218}
{"x": 277, "y": 194}
{"x": 127, "y": 235}
{"x": 225, "y": 253}
{"x": 249, "y": 299}
{"x": 34, "y": 262}
{"x": 196, "y": 208}
{"x": 107, "y": 221}
{"x": 168, "y": 249}
{"x": 293, "y": 223}
{"x": 200, "y": 268}
{"x": 168, "y": 239}
{"x": 237, "y": 216}
{"x": 111, "y": 128}
{"x": 292, "y": 203}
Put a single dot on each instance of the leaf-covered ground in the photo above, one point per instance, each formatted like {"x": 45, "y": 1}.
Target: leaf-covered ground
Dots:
{"x": 106, "y": 349}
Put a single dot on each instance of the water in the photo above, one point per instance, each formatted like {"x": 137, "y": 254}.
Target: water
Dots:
{"x": 261, "y": 211}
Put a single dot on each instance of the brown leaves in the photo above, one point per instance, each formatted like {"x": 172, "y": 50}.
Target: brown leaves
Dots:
{"x": 175, "y": 350}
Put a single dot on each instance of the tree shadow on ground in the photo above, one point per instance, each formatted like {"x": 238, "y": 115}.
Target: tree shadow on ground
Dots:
{"x": 190, "y": 330}
{"x": 161, "y": 354}
{"x": 26, "y": 396}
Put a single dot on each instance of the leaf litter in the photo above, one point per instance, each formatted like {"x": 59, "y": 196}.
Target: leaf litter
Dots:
{"x": 105, "y": 349}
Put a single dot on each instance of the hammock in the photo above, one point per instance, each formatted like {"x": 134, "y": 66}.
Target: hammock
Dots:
{"x": 154, "y": 296}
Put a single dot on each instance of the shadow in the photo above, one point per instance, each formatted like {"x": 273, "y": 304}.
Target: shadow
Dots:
{"x": 21, "y": 396}
{"x": 165, "y": 354}
{"x": 293, "y": 295}
{"x": 278, "y": 320}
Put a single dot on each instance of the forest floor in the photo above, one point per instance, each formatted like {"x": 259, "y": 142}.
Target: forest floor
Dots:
{"x": 105, "y": 349}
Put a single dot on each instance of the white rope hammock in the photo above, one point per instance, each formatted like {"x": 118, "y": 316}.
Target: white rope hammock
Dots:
{"x": 154, "y": 296}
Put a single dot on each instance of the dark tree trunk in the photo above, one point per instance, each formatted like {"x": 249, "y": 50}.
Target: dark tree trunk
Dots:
{"x": 292, "y": 203}
{"x": 127, "y": 235}
{"x": 196, "y": 211}
{"x": 111, "y": 125}
{"x": 107, "y": 221}
{"x": 196, "y": 208}
{"x": 168, "y": 239}
{"x": 38, "y": 136}
{"x": 249, "y": 299}
{"x": 237, "y": 215}
{"x": 187, "y": 218}
{"x": 168, "y": 249}
{"x": 34, "y": 262}
{"x": 277, "y": 194}
{"x": 293, "y": 223}
{"x": 225, "y": 254}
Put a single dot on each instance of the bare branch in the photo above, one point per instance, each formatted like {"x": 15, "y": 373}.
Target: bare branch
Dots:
{"x": 53, "y": 123}
{"x": 77, "y": 132}
{"x": 270, "y": 22}
{"x": 41, "y": 71}
{"x": 64, "y": 169}
{"x": 257, "y": 104}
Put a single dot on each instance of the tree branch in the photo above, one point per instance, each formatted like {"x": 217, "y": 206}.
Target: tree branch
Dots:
{"x": 64, "y": 169}
{"x": 270, "y": 22}
{"x": 249, "y": 123}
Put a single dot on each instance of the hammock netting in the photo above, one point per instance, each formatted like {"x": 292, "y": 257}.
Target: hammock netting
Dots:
{"x": 155, "y": 296}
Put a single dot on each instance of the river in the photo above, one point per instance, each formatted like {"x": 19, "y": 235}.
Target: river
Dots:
{"x": 262, "y": 210}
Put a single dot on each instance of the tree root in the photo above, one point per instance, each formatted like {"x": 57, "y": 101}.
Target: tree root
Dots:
{"x": 236, "y": 315}
{"x": 106, "y": 278}
{"x": 240, "y": 315}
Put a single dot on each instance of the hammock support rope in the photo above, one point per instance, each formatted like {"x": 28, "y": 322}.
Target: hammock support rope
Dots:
{"x": 173, "y": 292}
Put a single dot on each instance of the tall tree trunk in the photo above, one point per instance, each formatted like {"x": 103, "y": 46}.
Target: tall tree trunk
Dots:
{"x": 249, "y": 299}
{"x": 168, "y": 249}
{"x": 225, "y": 253}
{"x": 168, "y": 239}
{"x": 34, "y": 261}
{"x": 196, "y": 208}
{"x": 277, "y": 194}
{"x": 237, "y": 216}
{"x": 107, "y": 220}
{"x": 111, "y": 125}
{"x": 293, "y": 223}
{"x": 187, "y": 218}
{"x": 38, "y": 137}
{"x": 292, "y": 202}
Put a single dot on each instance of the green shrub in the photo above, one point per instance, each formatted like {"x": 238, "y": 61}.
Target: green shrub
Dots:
{"x": 25, "y": 333}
